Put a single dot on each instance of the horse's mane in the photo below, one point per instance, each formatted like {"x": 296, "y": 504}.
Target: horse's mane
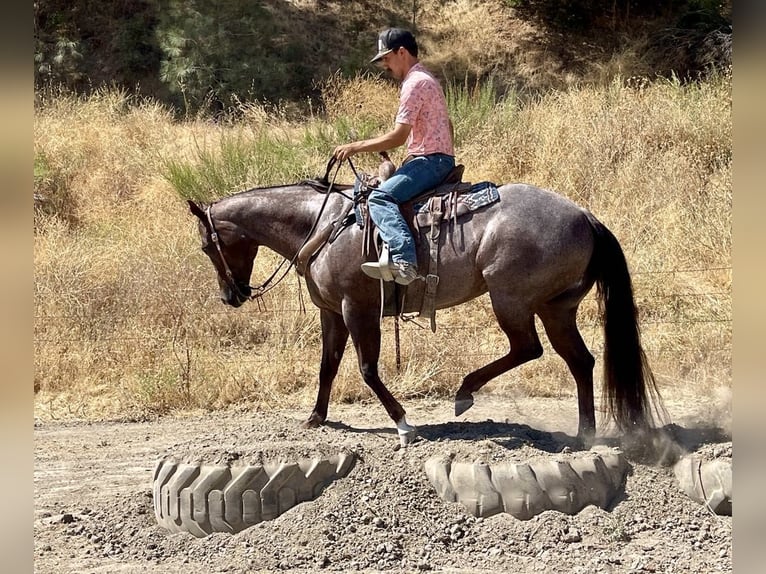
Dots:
{"x": 319, "y": 185}
{"x": 267, "y": 188}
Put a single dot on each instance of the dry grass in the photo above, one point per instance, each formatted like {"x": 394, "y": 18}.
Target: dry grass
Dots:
{"x": 127, "y": 321}
{"x": 481, "y": 31}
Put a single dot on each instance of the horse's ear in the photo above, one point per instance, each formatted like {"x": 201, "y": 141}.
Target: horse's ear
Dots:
{"x": 196, "y": 210}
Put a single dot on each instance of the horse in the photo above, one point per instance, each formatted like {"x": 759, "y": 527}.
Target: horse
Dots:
{"x": 534, "y": 251}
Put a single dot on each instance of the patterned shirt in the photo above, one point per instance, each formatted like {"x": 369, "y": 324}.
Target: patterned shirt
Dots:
{"x": 423, "y": 106}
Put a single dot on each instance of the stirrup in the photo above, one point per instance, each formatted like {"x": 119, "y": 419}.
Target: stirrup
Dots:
{"x": 382, "y": 268}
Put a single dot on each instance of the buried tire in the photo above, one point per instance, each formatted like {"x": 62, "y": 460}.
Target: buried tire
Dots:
{"x": 706, "y": 482}
{"x": 206, "y": 498}
{"x": 527, "y": 489}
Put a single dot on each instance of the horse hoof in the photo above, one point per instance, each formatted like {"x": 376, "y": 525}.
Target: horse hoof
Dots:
{"x": 586, "y": 438}
{"x": 407, "y": 438}
{"x": 462, "y": 405}
{"x": 312, "y": 422}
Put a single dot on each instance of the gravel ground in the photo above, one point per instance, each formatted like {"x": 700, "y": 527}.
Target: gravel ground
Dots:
{"x": 94, "y": 513}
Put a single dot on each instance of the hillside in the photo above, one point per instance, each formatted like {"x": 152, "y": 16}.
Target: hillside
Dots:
{"x": 211, "y": 55}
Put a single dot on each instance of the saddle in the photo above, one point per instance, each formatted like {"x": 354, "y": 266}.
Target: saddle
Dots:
{"x": 425, "y": 214}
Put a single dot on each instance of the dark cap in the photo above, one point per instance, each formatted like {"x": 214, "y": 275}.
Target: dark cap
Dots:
{"x": 393, "y": 39}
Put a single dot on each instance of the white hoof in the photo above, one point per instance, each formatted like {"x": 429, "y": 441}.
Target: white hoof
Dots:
{"x": 407, "y": 433}
{"x": 406, "y": 439}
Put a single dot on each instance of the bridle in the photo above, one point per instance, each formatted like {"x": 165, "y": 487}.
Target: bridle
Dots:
{"x": 230, "y": 281}
{"x": 248, "y": 292}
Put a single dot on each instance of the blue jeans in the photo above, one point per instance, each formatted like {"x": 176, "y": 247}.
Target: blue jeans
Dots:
{"x": 413, "y": 178}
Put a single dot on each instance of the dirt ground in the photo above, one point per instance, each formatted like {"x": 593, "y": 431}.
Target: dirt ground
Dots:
{"x": 93, "y": 505}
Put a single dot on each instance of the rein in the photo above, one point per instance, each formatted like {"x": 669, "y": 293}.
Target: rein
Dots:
{"x": 259, "y": 291}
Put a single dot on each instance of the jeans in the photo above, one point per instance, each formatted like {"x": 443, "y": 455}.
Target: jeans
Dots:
{"x": 413, "y": 178}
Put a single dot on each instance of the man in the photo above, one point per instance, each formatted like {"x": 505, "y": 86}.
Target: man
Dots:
{"x": 422, "y": 122}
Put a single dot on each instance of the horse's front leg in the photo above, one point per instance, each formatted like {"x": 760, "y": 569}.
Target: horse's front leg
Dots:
{"x": 365, "y": 333}
{"x": 334, "y": 338}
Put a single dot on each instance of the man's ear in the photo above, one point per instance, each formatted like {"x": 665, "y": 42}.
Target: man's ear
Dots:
{"x": 197, "y": 210}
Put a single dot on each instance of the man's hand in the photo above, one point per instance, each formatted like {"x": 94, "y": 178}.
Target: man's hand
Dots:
{"x": 390, "y": 140}
{"x": 345, "y": 151}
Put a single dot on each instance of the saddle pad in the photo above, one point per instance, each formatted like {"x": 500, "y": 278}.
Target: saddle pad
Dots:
{"x": 479, "y": 195}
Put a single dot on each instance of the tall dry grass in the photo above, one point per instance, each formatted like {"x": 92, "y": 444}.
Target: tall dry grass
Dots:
{"x": 127, "y": 320}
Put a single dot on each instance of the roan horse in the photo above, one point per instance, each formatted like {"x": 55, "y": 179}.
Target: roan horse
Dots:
{"x": 534, "y": 251}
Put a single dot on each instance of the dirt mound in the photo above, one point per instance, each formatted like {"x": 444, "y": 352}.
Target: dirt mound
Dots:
{"x": 93, "y": 501}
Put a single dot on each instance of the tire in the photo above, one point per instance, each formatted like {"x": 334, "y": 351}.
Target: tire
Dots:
{"x": 527, "y": 489}
{"x": 205, "y": 498}
{"x": 707, "y": 482}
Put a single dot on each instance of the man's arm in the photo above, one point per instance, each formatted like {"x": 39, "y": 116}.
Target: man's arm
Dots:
{"x": 390, "y": 140}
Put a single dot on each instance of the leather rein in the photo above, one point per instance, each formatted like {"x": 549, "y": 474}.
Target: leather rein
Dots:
{"x": 248, "y": 292}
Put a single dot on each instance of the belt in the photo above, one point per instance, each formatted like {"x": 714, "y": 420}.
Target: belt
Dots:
{"x": 411, "y": 157}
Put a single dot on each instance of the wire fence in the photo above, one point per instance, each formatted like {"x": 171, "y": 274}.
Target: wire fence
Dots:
{"x": 662, "y": 317}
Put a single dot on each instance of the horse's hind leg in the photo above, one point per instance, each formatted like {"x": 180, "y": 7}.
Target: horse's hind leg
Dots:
{"x": 525, "y": 346}
{"x": 560, "y": 322}
{"x": 334, "y": 338}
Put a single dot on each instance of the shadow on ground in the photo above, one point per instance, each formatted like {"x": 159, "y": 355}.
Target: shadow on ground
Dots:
{"x": 663, "y": 446}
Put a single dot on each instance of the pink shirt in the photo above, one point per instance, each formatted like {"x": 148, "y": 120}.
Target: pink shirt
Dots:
{"x": 423, "y": 106}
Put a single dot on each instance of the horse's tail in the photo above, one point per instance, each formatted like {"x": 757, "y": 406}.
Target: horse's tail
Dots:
{"x": 629, "y": 390}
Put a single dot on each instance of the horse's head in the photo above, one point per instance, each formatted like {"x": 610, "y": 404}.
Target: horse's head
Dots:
{"x": 232, "y": 252}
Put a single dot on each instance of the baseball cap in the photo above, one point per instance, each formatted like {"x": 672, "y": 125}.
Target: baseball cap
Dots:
{"x": 393, "y": 39}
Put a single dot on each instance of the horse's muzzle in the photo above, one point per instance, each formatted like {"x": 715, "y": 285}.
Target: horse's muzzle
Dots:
{"x": 237, "y": 296}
